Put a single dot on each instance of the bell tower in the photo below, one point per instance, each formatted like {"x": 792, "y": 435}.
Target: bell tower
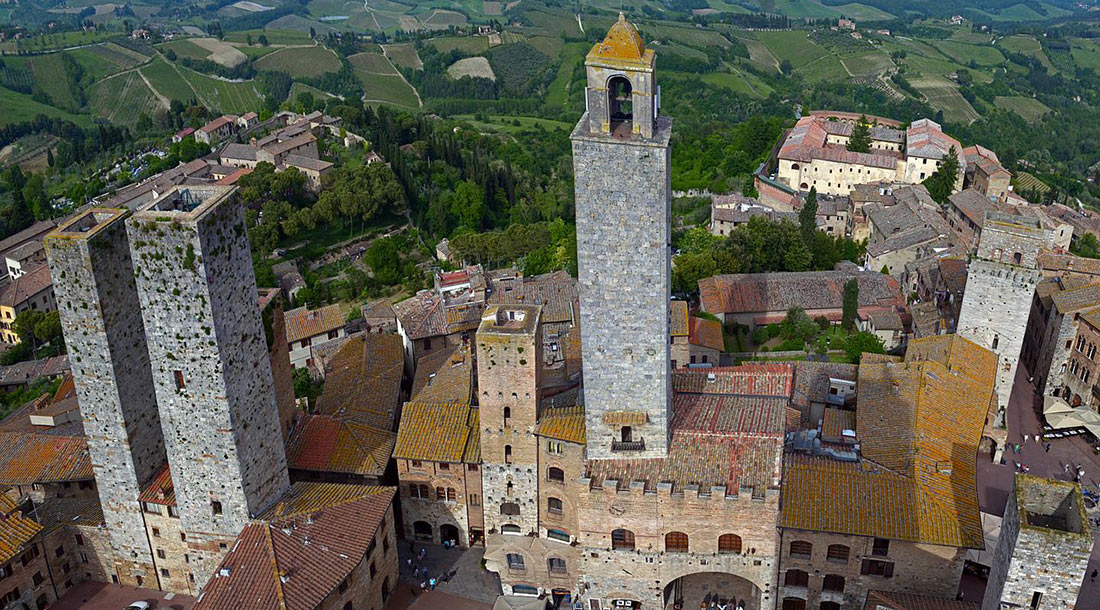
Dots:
{"x": 621, "y": 177}
{"x": 621, "y": 97}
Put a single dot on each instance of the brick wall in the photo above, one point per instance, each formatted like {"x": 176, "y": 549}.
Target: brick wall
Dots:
{"x": 432, "y": 510}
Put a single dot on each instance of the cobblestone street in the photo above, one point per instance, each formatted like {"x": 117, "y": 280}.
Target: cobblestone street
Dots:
{"x": 457, "y": 572}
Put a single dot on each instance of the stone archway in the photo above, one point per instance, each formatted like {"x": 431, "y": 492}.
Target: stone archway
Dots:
{"x": 732, "y": 591}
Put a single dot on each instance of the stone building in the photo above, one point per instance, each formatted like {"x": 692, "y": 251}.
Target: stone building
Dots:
{"x": 439, "y": 467}
{"x": 1000, "y": 282}
{"x": 1059, "y": 341}
{"x": 1043, "y": 549}
{"x": 309, "y": 328}
{"x": 1081, "y": 383}
{"x": 432, "y": 320}
{"x": 985, "y": 173}
{"x": 107, "y": 343}
{"x": 271, "y": 310}
{"x": 694, "y": 340}
{"x": 30, "y": 291}
{"x": 322, "y": 547}
{"x": 167, "y": 536}
{"x": 870, "y": 535}
{"x": 209, "y": 361}
{"x": 621, "y": 164}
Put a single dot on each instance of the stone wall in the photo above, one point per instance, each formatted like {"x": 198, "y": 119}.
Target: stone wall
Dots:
{"x": 622, "y": 199}
{"x": 644, "y": 573}
{"x": 432, "y": 510}
{"x": 211, "y": 367}
{"x": 282, "y": 372}
{"x": 992, "y": 314}
{"x": 90, "y": 262}
{"x": 923, "y": 569}
{"x": 170, "y": 552}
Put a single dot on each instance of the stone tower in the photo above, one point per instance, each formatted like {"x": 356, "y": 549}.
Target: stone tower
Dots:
{"x": 210, "y": 363}
{"x": 93, "y": 278}
{"x": 1043, "y": 550}
{"x": 1000, "y": 283}
{"x": 509, "y": 353}
{"x": 621, "y": 167}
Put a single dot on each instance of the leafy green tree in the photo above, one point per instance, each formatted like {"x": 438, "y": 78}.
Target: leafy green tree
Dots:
{"x": 384, "y": 259}
{"x": 24, "y": 325}
{"x": 941, "y": 183}
{"x": 690, "y": 268}
{"x": 34, "y": 195}
{"x": 850, "y": 304}
{"x": 1087, "y": 245}
{"x": 807, "y": 216}
{"x": 696, "y": 240}
{"x": 860, "y": 140}
{"x": 263, "y": 40}
{"x": 861, "y": 343}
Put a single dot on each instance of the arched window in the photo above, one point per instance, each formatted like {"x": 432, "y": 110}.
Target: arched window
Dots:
{"x": 729, "y": 543}
{"x": 676, "y": 542}
{"x": 422, "y": 530}
{"x": 554, "y": 505}
{"x": 627, "y": 434}
{"x": 833, "y": 582}
{"x": 440, "y": 493}
{"x": 837, "y": 553}
{"x": 509, "y": 528}
{"x": 800, "y": 549}
{"x": 796, "y": 578}
{"x": 556, "y": 474}
{"x": 556, "y": 565}
{"x": 620, "y": 101}
{"x": 507, "y": 416}
{"x": 515, "y": 561}
{"x": 507, "y": 454}
{"x": 349, "y": 606}
{"x": 509, "y": 508}
{"x": 795, "y": 166}
{"x": 622, "y": 540}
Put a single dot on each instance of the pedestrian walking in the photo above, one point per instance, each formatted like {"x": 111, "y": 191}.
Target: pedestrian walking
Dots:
{"x": 409, "y": 562}
{"x": 1047, "y": 447}
{"x": 431, "y": 583}
{"x": 1093, "y": 575}
{"x": 1025, "y": 439}
{"x": 423, "y": 586}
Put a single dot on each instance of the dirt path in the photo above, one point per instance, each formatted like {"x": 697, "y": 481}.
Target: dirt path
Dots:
{"x": 164, "y": 102}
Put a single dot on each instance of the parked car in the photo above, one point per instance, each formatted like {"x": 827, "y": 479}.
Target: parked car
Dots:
{"x": 139, "y": 606}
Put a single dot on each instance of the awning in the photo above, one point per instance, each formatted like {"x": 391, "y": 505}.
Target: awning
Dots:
{"x": 1060, "y": 416}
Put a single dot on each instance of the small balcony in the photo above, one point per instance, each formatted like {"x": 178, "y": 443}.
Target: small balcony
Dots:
{"x": 631, "y": 445}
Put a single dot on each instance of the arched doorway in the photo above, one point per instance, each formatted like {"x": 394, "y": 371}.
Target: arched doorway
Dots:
{"x": 422, "y": 531}
{"x": 688, "y": 592}
{"x": 448, "y": 532}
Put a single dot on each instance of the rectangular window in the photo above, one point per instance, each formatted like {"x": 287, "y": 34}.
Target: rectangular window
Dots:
{"x": 79, "y": 540}
{"x": 160, "y": 554}
{"x": 164, "y": 572}
{"x": 152, "y": 509}
{"x": 38, "y": 578}
{"x": 874, "y": 567}
{"x": 179, "y": 379}
{"x": 83, "y": 557}
{"x": 156, "y": 532}
{"x": 444, "y": 466}
{"x": 415, "y": 463}
{"x": 59, "y": 552}
{"x": 473, "y": 499}
{"x": 472, "y": 467}
{"x": 216, "y": 507}
{"x": 881, "y": 547}
{"x": 173, "y": 511}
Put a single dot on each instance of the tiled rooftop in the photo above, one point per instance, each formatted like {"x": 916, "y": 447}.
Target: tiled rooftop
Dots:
{"x": 811, "y": 290}
{"x": 556, "y": 292}
{"x": 563, "y": 423}
{"x": 444, "y": 376}
{"x": 678, "y": 318}
{"x": 26, "y": 286}
{"x": 300, "y": 550}
{"x": 439, "y": 432}
{"x": 16, "y": 530}
{"x": 706, "y": 333}
{"x": 56, "y": 513}
{"x": 328, "y": 444}
{"x": 159, "y": 489}
{"x": 919, "y": 423}
{"x": 27, "y": 457}
{"x": 890, "y": 600}
{"x": 1077, "y": 299}
{"x": 363, "y": 382}
{"x": 304, "y": 323}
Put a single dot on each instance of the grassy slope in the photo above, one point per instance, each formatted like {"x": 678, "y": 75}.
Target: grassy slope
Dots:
{"x": 19, "y": 107}
{"x": 300, "y": 62}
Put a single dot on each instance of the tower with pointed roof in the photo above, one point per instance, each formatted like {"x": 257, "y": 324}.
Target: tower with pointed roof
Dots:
{"x": 621, "y": 167}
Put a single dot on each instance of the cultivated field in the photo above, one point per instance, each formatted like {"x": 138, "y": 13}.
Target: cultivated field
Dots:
{"x": 793, "y": 46}
{"x": 471, "y": 66}
{"x": 49, "y": 75}
{"x": 1030, "y": 108}
{"x": 119, "y": 55}
{"x": 441, "y": 20}
{"x": 1029, "y": 46}
{"x": 684, "y": 34}
{"x": 167, "y": 80}
{"x": 177, "y": 82}
{"x": 824, "y": 68}
{"x": 19, "y": 107}
{"x": 944, "y": 95}
{"x": 965, "y": 53}
{"x": 297, "y": 88}
{"x": 404, "y": 55}
{"x": 300, "y": 62}
{"x": 273, "y": 36}
{"x": 1026, "y": 182}
{"x": 184, "y": 47}
{"x": 393, "y": 90}
{"x": 1085, "y": 53}
{"x": 220, "y": 52}
{"x": 372, "y": 63}
{"x": 874, "y": 62}
{"x": 123, "y": 99}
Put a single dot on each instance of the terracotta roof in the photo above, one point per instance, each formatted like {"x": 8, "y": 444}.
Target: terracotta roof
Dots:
{"x": 1067, "y": 263}
{"x": 302, "y": 161}
{"x": 925, "y": 138}
{"x": 953, "y": 274}
{"x": 16, "y": 530}
{"x": 232, "y": 178}
{"x": 28, "y": 457}
{"x": 811, "y": 290}
{"x": 919, "y": 423}
{"x": 421, "y": 315}
{"x": 556, "y": 292}
{"x": 806, "y": 141}
{"x": 835, "y": 421}
{"x": 747, "y": 380}
{"x": 678, "y": 318}
{"x": 303, "y": 323}
{"x": 282, "y": 146}
{"x": 217, "y": 123}
{"x": 301, "y": 550}
{"x": 363, "y": 382}
{"x": 445, "y": 375}
{"x": 26, "y": 287}
{"x": 886, "y": 320}
{"x": 563, "y": 424}
{"x": 1077, "y": 299}
{"x": 973, "y": 204}
{"x": 56, "y": 513}
{"x": 159, "y": 489}
{"x": 28, "y": 371}
{"x": 36, "y": 231}
{"x": 911, "y": 601}
{"x": 706, "y": 333}
{"x": 328, "y": 444}
{"x": 439, "y": 432}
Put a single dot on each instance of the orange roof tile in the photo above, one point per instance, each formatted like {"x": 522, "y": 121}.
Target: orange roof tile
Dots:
{"x": 328, "y": 444}
{"x": 28, "y": 457}
{"x": 438, "y": 432}
{"x": 706, "y": 333}
{"x": 563, "y": 423}
{"x": 835, "y": 422}
{"x": 303, "y": 323}
{"x": 160, "y": 489}
{"x": 363, "y": 382}
{"x": 678, "y": 318}
{"x": 444, "y": 375}
{"x": 623, "y": 42}
{"x": 15, "y": 531}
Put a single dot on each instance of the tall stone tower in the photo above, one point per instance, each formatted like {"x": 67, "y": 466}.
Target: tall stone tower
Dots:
{"x": 621, "y": 167}
{"x": 210, "y": 363}
{"x": 1000, "y": 283}
{"x": 93, "y": 278}
{"x": 509, "y": 356}
{"x": 1043, "y": 549}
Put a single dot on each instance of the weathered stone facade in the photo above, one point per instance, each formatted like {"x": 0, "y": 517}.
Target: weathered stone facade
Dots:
{"x": 509, "y": 367}
{"x": 623, "y": 243}
{"x": 999, "y": 287}
{"x": 1043, "y": 549}
{"x": 441, "y": 501}
{"x": 93, "y": 274}
{"x": 210, "y": 363}
{"x": 838, "y": 568}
